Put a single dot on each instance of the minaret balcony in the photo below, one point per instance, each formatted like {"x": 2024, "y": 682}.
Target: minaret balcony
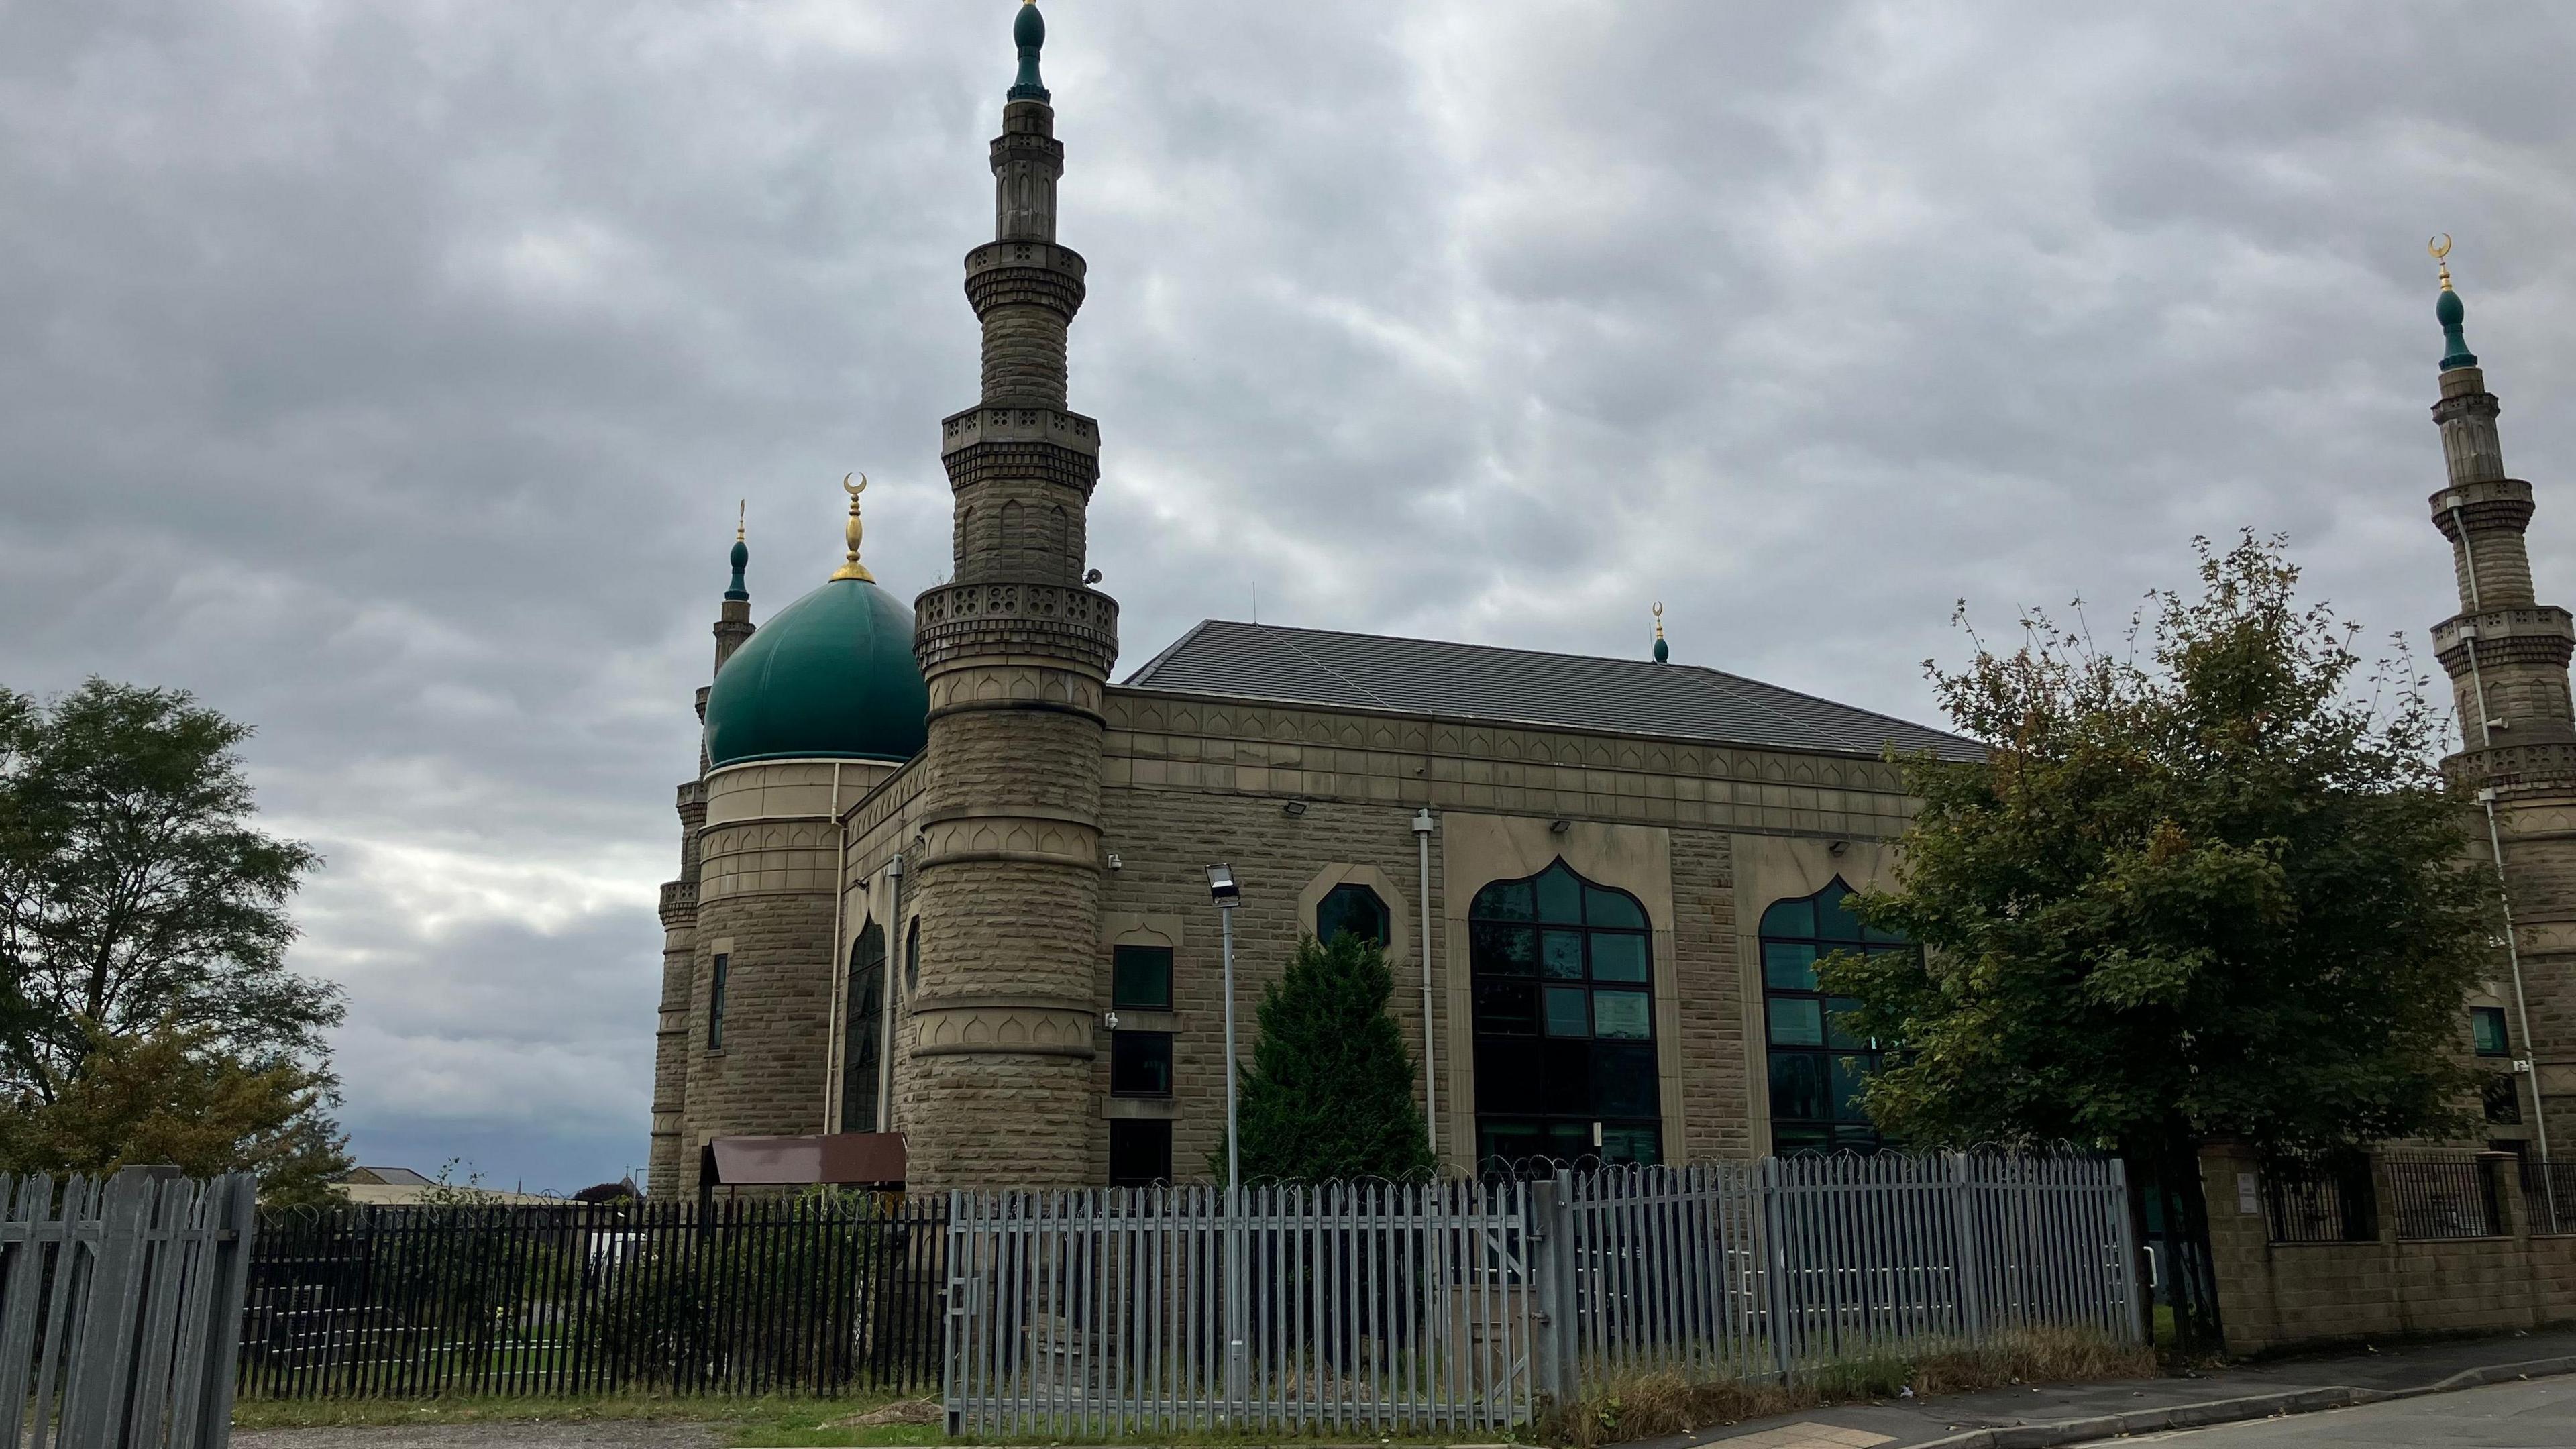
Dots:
{"x": 2538, "y": 634}
{"x": 1025, "y": 274}
{"x": 2488, "y": 506}
{"x": 1065, "y": 623}
{"x": 679, "y": 904}
{"x": 2516, "y": 770}
{"x": 1018, "y": 423}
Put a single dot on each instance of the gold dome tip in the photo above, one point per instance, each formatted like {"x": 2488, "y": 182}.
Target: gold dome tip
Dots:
{"x": 850, "y": 567}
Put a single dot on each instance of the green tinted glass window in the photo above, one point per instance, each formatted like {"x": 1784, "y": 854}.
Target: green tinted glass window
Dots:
{"x": 1141, "y": 977}
{"x": 1818, "y": 1063}
{"x": 1564, "y": 1047}
{"x": 2486, "y": 1028}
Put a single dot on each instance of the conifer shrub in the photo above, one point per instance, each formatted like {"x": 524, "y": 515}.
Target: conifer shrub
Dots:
{"x": 1329, "y": 1092}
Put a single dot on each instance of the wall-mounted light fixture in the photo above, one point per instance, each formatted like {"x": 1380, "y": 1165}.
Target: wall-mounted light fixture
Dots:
{"x": 1559, "y": 827}
{"x": 1293, "y": 808}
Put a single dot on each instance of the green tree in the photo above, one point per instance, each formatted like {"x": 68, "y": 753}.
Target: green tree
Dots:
{"x": 173, "y": 1096}
{"x": 2204, "y": 892}
{"x": 136, "y": 892}
{"x": 1329, "y": 1093}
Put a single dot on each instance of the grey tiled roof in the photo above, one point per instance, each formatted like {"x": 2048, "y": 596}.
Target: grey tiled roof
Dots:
{"x": 1521, "y": 686}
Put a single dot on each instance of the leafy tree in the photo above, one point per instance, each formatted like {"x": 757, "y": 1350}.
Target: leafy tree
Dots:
{"x": 1329, "y": 1093}
{"x": 135, "y": 892}
{"x": 174, "y": 1096}
{"x": 2204, "y": 893}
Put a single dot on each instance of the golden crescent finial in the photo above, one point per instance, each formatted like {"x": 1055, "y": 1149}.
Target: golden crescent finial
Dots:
{"x": 2439, "y": 246}
{"x": 740, "y": 507}
{"x": 850, "y": 567}
{"x": 1659, "y": 618}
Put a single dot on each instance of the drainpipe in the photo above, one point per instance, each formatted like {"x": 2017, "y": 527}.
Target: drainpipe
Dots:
{"x": 893, "y": 982}
{"x": 1422, "y": 828}
{"x": 840, "y": 978}
{"x": 2469, "y": 634}
{"x": 2523, "y": 1065}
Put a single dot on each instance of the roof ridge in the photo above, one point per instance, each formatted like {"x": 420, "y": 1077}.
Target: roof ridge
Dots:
{"x": 1377, "y": 698}
{"x": 1820, "y": 699}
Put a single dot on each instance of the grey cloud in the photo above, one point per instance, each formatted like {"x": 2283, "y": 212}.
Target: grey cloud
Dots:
{"x": 388, "y": 374}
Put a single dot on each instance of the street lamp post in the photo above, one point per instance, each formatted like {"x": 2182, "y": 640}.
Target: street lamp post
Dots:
{"x": 1226, "y": 894}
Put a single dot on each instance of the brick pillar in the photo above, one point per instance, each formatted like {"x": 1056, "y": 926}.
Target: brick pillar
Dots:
{"x": 1006, "y": 875}
{"x": 2240, "y": 1247}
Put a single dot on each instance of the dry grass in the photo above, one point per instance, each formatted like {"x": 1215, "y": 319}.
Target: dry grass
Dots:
{"x": 1649, "y": 1406}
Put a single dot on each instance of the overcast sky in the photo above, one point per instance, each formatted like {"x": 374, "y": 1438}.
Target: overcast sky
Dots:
{"x": 387, "y": 374}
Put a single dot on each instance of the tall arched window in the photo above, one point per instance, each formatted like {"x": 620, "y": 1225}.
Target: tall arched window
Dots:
{"x": 863, "y": 1030}
{"x": 1565, "y": 1037}
{"x": 1817, "y": 1066}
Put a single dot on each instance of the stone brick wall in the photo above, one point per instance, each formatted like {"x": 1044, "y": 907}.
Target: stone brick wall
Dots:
{"x": 2275, "y": 1296}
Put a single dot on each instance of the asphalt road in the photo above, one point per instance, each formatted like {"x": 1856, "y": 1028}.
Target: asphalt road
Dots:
{"x": 2537, "y": 1414}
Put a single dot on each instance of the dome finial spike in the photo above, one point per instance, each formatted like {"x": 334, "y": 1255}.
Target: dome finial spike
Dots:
{"x": 1663, "y": 651}
{"x": 736, "y": 590}
{"x": 850, "y": 567}
{"x": 2449, "y": 310}
{"x": 1029, "y": 33}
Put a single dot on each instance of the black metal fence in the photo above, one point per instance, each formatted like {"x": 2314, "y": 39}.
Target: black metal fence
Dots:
{"x": 2443, "y": 1195}
{"x": 817, "y": 1295}
{"x": 2549, "y": 1194}
{"x": 2324, "y": 1199}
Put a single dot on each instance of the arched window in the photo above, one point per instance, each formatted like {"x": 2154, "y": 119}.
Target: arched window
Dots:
{"x": 1355, "y": 908}
{"x": 1565, "y": 1038}
{"x": 1817, "y": 1066}
{"x": 863, "y": 1030}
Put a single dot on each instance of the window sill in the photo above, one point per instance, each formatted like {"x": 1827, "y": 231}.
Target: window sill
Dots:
{"x": 1163, "y": 1108}
{"x": 1139, "y": 1018}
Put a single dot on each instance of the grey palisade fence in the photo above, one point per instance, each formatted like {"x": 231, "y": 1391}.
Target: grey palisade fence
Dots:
{"x": 1457, "y": 1306}
{"x": 120, "y": 1310}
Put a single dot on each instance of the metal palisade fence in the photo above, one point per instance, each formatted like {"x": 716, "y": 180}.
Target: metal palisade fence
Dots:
{"x": 1454, "y": 1306}
{"x": 120, "y": 1300}
{"x": 817, "y": 1295}
{"x": 1345, "y": 1306}
{"x": 1769, "y": 1267}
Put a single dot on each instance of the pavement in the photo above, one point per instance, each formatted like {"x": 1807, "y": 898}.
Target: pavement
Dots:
{"x": 2033, "y": 1417}
{"x": 2531, "y": 1414}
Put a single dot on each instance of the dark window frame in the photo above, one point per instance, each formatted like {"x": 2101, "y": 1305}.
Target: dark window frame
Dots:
{"x": 1544, "y": 949}
{"x": 863, "y": 1024}
{"x": 1826, "y": 1064}
{"x": 1385, "y": 914}
{"x": 1119, "y": 996}
{"x": 1134, "y": 1051}
{"x": 1155, "y": 1146}
{"x": 2503, "y": 1034}
{"x": 716, "y": 1001}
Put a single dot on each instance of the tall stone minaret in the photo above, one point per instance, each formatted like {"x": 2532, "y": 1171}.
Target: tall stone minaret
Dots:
{"x": 2507, "y": 657}
{"x": 665, "y": 1163}
{"x": 1016, "y": 651}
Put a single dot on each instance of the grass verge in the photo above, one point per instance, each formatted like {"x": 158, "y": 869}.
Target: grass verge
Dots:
{"x": 771, "y": 1423}
{"x": 1650, "y": 1405}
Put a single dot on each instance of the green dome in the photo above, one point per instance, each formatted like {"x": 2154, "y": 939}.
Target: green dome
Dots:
{"x": 830, "y": 676}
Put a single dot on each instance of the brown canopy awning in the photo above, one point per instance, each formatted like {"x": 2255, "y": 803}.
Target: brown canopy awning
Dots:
{"x": 871, "y": 1159}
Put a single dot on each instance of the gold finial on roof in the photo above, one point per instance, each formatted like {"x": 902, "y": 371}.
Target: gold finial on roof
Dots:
{"x": 1659, "y": 618}
{"x": 2440, "y": 247}
{"x": 850, "y": 567}
{"x": 740, "y": 507}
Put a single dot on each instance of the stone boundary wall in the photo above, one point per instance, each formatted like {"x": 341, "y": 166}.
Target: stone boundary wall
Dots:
{"x": 2276, "y": 1296}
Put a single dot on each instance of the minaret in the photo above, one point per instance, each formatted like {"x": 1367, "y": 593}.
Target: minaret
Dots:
{"x": 1006, "y": 869}
{"x": 680, "y": 908}
{"x": 2507, "y": 657}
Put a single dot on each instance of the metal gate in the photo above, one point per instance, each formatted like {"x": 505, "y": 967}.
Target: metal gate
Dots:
{"x": 1349, "y": 1305}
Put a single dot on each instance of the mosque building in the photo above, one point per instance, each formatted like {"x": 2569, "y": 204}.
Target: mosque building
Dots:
{"x": 944, "y": 883}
